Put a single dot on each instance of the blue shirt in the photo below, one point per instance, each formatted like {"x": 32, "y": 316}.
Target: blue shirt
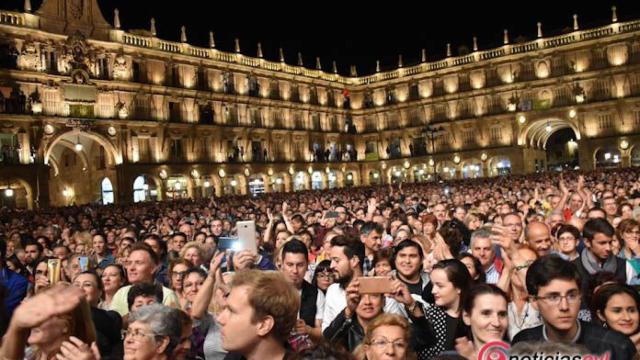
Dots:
{"x": 16, "y": 285}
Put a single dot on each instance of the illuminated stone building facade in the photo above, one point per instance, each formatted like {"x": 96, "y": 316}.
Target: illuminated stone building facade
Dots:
{"x": 90, "y": 112}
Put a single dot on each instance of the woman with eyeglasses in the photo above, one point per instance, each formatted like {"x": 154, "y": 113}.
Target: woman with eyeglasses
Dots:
{"x": 153, "y": 333}
{"x": 568, "y": 237}
{"x": 386, "y": 338}
{"x": 322, "y": 276}
{"x": 628, "y": 234}
{"x": 522, "y": 314}
{"x": 176, "y": 272}
{"x": 207, "y": 304}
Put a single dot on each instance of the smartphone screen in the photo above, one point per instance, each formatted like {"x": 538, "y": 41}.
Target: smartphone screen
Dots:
{"x": 374, "y": 285}
{"x": 84, "y": 263}
{"x": 229, "y": 243}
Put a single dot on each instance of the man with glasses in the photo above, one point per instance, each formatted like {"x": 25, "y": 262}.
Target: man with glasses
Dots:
{"x": 554, "y": 286}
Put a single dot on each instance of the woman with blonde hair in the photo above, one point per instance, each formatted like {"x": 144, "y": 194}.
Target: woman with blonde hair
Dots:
{"x": 387, "y": 336}
{"x": 55, "y": 323}
{"x": 194, "y": 253}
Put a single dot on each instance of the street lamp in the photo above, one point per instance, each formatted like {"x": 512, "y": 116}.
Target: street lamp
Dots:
{"x": 433, "y": 131}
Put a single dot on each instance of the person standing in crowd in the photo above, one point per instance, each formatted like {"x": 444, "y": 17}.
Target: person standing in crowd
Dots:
{"x": 408, "y": 258}
{"x": 263, "y": 307}
{"x": 597, "y": 256}
{"x": 142, "y": 265}
{"x": 294, "y": 266}
{"x": 371, "y": 237}
{"x": 485, "y": 251}
{"x": 617, "y": 307}
{"x": 346, "y": 265}
{"x": 485, "y": 313}
{"x": 554, "y": 284}
{"x": 15, "y": 285}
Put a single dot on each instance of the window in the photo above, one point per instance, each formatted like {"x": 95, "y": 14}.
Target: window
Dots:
{"x": 496, "y": 134}
{"x": 107, "y": 192}
{"x": 468, "y": 137}
{"x": 102, "y": 159}
{"x": 605, "y": 121}
{"x": 174, "y": 112}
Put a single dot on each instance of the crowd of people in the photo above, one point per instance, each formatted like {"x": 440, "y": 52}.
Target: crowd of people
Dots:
{"x": 544, "y": 261}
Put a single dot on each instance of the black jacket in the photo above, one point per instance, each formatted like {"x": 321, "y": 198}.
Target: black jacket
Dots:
{"x": 348, "y": 333}
{"x": 596, "y": 339}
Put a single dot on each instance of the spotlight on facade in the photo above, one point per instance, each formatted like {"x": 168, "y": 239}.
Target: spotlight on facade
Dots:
{"x": 406, "y": 164}
{"x": 573, "y": 113}
{"x": 349, "y": 177}
{"x": 222, "y": 173}
{"x": 375, "y": 175}
{"x": 278, "y": 181}
{"x": 484, "y": 157}
{"x": 456, "y": 159}
{"x": 624, "y": 144}
{"x": 207, "y": 184}
{"x": 234, "y": 183}
{"x": 8, "y": 192}
{"x": 548, "y": 128}
{"x": 522, "y": 119}
{"x": 67, "y": 192}
{"x": 431, "y": 162}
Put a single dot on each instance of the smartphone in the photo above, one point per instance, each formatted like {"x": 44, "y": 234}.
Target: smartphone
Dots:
{"x": 331, "y": 215}
{"x": 375, "y": 285}
{"x": 54, "y": 270}
{"x": 247, "y": 235}
{"x": 84, "y": 263}
{"x": 229, "y": 243}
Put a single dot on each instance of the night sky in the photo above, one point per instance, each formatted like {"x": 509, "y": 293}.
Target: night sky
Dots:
{"x": 358, "y": 33}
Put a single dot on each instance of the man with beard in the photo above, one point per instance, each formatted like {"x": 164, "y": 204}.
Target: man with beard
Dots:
{"x": 346, "y": 264}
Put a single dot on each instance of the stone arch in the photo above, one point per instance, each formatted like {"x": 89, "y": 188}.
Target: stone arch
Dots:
{"x": 537, "y": 132}
{"x": 7, "y": 181}
{"x": 113, "y": 156}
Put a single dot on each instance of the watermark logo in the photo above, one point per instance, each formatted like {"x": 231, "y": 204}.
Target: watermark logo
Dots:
{"x": 499, "y": 350}
{"x": 494, "y": 350}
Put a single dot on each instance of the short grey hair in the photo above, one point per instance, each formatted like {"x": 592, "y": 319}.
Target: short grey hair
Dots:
{"x": 482, "y": 233}
{"x": 163, "y": 321}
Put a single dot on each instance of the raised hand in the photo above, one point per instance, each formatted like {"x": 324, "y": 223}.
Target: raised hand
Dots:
{"x": 59, "y": 300}
{"x": 353, "y": 297}
{"x": 243, "y": 260}
{"x": 401, "y": 293}
{"x": 75, "y": 349}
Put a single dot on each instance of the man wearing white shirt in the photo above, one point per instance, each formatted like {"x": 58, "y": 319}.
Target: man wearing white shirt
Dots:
{"x": 346, "y": 264}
